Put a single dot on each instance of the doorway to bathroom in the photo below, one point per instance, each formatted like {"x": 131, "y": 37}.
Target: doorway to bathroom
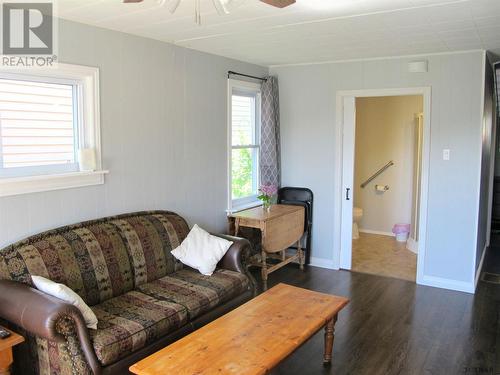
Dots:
{"x": 384, "y": 173}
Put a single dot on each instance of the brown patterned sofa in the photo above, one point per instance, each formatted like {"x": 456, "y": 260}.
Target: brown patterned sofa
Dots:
{"x": 122, "y": 267}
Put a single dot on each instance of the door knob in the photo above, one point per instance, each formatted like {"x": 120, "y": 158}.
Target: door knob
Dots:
{"x": 347, "y": 194}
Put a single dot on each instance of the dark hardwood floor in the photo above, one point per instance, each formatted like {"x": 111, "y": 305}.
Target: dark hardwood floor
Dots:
{"x": 393, "y": 326}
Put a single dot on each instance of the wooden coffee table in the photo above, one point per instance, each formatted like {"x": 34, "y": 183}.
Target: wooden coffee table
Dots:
{"x": 6, "y": 357}
{"x": 252, "y": 339}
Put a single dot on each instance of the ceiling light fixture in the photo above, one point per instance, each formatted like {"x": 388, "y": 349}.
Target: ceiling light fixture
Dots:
{"x": 222, "y": 6}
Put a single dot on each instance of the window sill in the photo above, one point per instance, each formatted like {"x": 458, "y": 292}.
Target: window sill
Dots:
{"x": 244, "y": 206}
{"x": 36, "y": 184}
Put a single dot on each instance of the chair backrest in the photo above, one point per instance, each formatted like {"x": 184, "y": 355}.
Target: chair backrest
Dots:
{"x": 298, "y": 196}
{"x": 99, "y": 259}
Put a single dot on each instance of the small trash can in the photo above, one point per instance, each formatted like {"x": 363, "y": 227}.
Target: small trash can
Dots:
{"x": 402, "y": 231}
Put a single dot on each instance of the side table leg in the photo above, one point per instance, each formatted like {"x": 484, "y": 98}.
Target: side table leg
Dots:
{"x": 329, "y": 335}
{"x": 264, "y": 270}
{"x": 6, "y": 360}
{"x": 236, "y": 226}
{"x": 301, "y": 256}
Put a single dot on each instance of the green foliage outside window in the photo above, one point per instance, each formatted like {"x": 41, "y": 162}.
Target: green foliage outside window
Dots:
{"x": 242, "y": 176}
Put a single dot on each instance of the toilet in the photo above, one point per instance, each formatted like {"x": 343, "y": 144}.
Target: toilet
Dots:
{"x": 357, "y": 214}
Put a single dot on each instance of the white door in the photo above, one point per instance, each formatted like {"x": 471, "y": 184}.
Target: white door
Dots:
{"x": 348, "y": 138}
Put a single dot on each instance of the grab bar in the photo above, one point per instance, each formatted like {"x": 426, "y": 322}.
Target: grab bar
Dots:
{"x": 379, "y": 172}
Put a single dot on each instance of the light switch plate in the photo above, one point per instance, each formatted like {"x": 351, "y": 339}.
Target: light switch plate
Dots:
{"x": 446, "y": 154}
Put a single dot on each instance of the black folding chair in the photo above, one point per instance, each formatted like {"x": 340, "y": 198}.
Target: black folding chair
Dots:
{"x": 300, "y": 197}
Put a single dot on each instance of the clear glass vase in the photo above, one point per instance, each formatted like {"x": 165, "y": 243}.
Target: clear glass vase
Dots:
{"x": 266, "y": 206}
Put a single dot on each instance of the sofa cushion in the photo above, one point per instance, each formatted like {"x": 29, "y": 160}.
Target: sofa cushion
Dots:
{"x": 196, "y": 292}
{"x": 150, "y": 238}
{"x": 91, "y": 260}
{"x": 99, "y": 259}
{"x": 131, "y": 321}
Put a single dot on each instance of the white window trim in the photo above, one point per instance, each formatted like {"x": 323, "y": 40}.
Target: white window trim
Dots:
{"x": 251, "y": 201}
{"x": 89, "y": 135}
{"x": 36, "y": 184}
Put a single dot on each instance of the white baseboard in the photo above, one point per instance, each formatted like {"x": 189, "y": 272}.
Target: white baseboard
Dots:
{"x": 322, "y": 263}
{"x": 440, "y": 282}
{"x": 478, "y": 271}
{"x": 377, "y": 232}
{"x": 412, "y": 245}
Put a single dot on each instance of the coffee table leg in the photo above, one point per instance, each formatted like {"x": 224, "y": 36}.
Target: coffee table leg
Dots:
{"x": 329, "y": 334}
{"x": 6, "y": 360}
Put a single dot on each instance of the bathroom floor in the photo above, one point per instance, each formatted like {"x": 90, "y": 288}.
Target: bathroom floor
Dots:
{"x": 384, "y": 256}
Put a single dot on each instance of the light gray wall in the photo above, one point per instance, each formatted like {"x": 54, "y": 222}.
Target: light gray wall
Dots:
{"x": 496, "y": 116}
{"x": 487, "y": 164}
{"x": 163, "y": 121}
{"x": 308, "y": 116}
{"x": 494, "y": 60}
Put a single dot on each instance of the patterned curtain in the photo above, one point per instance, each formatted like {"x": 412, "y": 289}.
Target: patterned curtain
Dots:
{"x": 270, "y": 156}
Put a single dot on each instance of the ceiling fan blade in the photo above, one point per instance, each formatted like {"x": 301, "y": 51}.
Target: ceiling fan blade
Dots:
{"x": 226, "y": 6}
{"x": 172, "y": 5}
{"x": 220, "y": 6}
{"x": 279, "y": 3}
{"x": 132, "y": 1}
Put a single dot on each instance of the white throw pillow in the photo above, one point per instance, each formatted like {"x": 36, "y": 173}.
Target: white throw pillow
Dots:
{"x": 201, "y": 250}
{"x": 61, "y": 291}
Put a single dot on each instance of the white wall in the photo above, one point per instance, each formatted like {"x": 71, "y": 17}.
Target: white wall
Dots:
{"x": 163, "y": 121}
{"x": 385, "y": 131}
{"x": 308, "y": 99}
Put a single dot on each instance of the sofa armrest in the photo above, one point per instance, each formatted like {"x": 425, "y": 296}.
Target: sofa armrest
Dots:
{"x": 235, "y": 258}
{"x": 40, "y": 314}
{"x": 236, "y": 255}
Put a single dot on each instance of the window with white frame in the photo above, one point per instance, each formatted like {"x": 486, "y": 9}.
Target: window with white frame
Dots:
{"x": 38, "y": 126}
{"x": 46, "y": 117}
{"x": 244, "y": 120}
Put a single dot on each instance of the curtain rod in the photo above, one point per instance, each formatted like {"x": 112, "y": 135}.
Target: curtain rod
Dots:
{"x": 231, "y": 73}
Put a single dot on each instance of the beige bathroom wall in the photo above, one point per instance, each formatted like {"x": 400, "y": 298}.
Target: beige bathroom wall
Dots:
{"x": 385, "y": 130}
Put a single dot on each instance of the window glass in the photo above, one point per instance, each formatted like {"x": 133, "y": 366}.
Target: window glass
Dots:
{"x": 37, "y": 127}
{"x": 245, "y": 125}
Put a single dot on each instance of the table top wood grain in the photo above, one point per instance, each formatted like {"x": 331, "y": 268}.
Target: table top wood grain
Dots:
{"x": 260, "y": 214}
{"x": 13, "y": 340}
{"x": 251, "y": 339}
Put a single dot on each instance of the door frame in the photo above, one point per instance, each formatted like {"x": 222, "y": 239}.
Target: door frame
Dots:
{"x": 342, "y": 256}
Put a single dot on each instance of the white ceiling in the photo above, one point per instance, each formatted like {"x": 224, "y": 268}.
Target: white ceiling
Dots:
{"x": 308, "y": 31}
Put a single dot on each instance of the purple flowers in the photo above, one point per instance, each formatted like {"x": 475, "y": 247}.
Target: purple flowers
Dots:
{"x": 268, "y": 190}
{"x": 266, "y": 194}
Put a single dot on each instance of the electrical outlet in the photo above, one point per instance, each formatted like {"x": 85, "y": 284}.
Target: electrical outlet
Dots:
{"x": 446, "y": 154}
